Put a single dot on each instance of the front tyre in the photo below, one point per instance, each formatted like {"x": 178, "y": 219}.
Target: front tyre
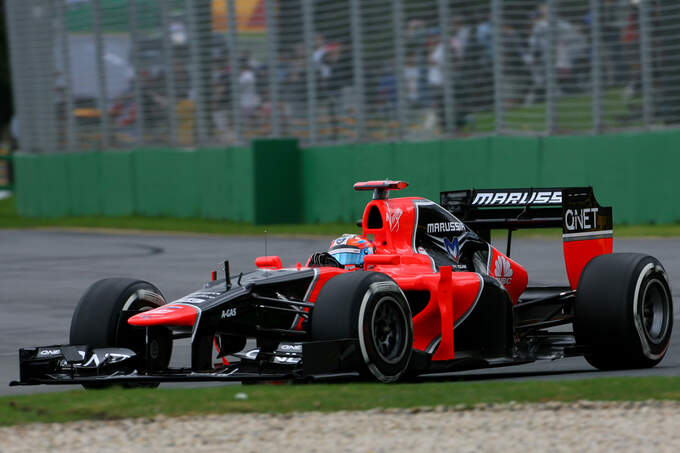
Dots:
{"x": 369, "y": 307}
{"x": 98, "y": 321}
{"x": 624, "y": 311}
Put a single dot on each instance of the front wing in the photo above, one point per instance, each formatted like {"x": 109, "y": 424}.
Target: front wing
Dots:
{"x": 77, "y": 364}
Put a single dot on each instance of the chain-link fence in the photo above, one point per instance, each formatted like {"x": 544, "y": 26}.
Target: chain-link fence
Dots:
{"x": 103, "y": 74}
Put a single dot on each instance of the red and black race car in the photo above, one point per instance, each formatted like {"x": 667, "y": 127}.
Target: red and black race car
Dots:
{"x": 430, "y": 294}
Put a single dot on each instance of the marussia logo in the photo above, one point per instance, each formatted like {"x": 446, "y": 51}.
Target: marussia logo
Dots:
{"x": 517, "y": 198}
{"x": 503, "y": 270}
{"x": 393, "y": 217}
{"x": 452, "y": 249}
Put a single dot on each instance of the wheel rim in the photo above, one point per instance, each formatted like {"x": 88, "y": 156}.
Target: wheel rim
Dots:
{"x": 655, "y": 311}
{"x": 154, "y": 349}
{"x": 389, "y": 329}
{"x": 157, "y": 349}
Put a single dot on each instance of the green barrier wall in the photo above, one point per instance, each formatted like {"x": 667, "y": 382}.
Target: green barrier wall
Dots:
{"x": 278, "y": 179}
{"x": 274, "y": 181}
{"x": 116, "y": 184}
{"x": 211, "y": 183}
{"x": 632, "y": 172}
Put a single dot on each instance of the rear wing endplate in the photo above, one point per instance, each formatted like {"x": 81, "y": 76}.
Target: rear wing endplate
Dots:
{"x": 587, "y": 227}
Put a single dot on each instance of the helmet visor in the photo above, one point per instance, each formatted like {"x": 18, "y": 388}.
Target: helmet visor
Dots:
{"x": 346, "y": 257}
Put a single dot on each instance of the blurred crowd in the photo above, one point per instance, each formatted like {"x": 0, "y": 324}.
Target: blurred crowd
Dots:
{"x": 240, "y": 104}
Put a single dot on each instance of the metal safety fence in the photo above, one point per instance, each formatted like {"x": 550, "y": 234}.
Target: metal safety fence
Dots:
{"x": 106, "y": 74}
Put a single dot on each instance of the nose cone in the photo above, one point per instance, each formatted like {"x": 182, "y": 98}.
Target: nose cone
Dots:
{"x": 167, "y": 315}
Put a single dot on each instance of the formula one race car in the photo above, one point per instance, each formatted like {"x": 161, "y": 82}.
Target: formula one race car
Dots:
{"x": 428, "y": 294}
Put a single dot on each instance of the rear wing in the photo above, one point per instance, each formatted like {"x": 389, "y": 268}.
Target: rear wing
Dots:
{"x": 574, "y": 209}
{"x": 587, "y": 227}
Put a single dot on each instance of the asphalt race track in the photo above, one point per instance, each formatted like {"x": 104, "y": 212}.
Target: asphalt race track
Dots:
{"x": 44, "y": 272}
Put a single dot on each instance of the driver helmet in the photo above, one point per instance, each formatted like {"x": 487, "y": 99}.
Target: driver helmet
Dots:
{"x": 350, "y": 249}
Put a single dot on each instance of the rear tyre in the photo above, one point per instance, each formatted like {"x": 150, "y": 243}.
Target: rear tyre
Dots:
{"x": 624, "y": 311}
{"x": 369, "y": 307}
{"x": 98, "y": 322}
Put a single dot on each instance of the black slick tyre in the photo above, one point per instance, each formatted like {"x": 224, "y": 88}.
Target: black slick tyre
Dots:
{"x": 98, "y": 322}
{"x": 623, "y": 311}
{"x": 369, "y": 307}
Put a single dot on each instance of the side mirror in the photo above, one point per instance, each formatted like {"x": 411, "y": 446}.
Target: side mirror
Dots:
{"x": 268, "y": 262}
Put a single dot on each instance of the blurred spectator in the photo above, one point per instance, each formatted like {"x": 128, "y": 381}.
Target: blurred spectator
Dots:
{"x": 387, "y": 91}
{"x": 60, "y": 104}
{"x": 412, "y": 80}
{"x": 612, "y": 18}
{"x": 222, "y": 100}
{"x": 416, "y": 39}
{"x": 475, "y": 70}
{"x": 340, "y": 61}
{"x": 416, "y": 47}
{"x": 435, "y": 79}
{"x": 322, "y": 67}
{"x": 464, "y": 69}
{"x": 295, "y": 93}
{"x": 515, "y": 72}
{"x": 569, "y": 46}
{"x": 460, "y": 38}
{"x": 249, "y": 98}
{"x": 180, "y": 60}
{"x": 631, "y": 42}
{"x": 184, "y": 104}
{"x": 472, "y": 72}
{"x": 154, "y": 104}
{"x": 484, "y": 35}
{"x": 247, "y": 58}
{"x": 123, "y": 112}
{"x": 333, "y": 65}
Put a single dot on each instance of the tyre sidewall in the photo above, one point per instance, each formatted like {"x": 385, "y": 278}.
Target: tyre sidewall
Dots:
{"x": 608, "y": 311}
{"x": 649, "y": 270}
{"x": 344, "y": 309}
{"x": 98, "y": 322}
{"x": 376, "y": 294}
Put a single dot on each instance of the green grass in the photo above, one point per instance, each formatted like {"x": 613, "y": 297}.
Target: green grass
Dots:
{"x": 573, "y": 113}
{"x": 10, "y": 219}
{"x": 121, "y": 403}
